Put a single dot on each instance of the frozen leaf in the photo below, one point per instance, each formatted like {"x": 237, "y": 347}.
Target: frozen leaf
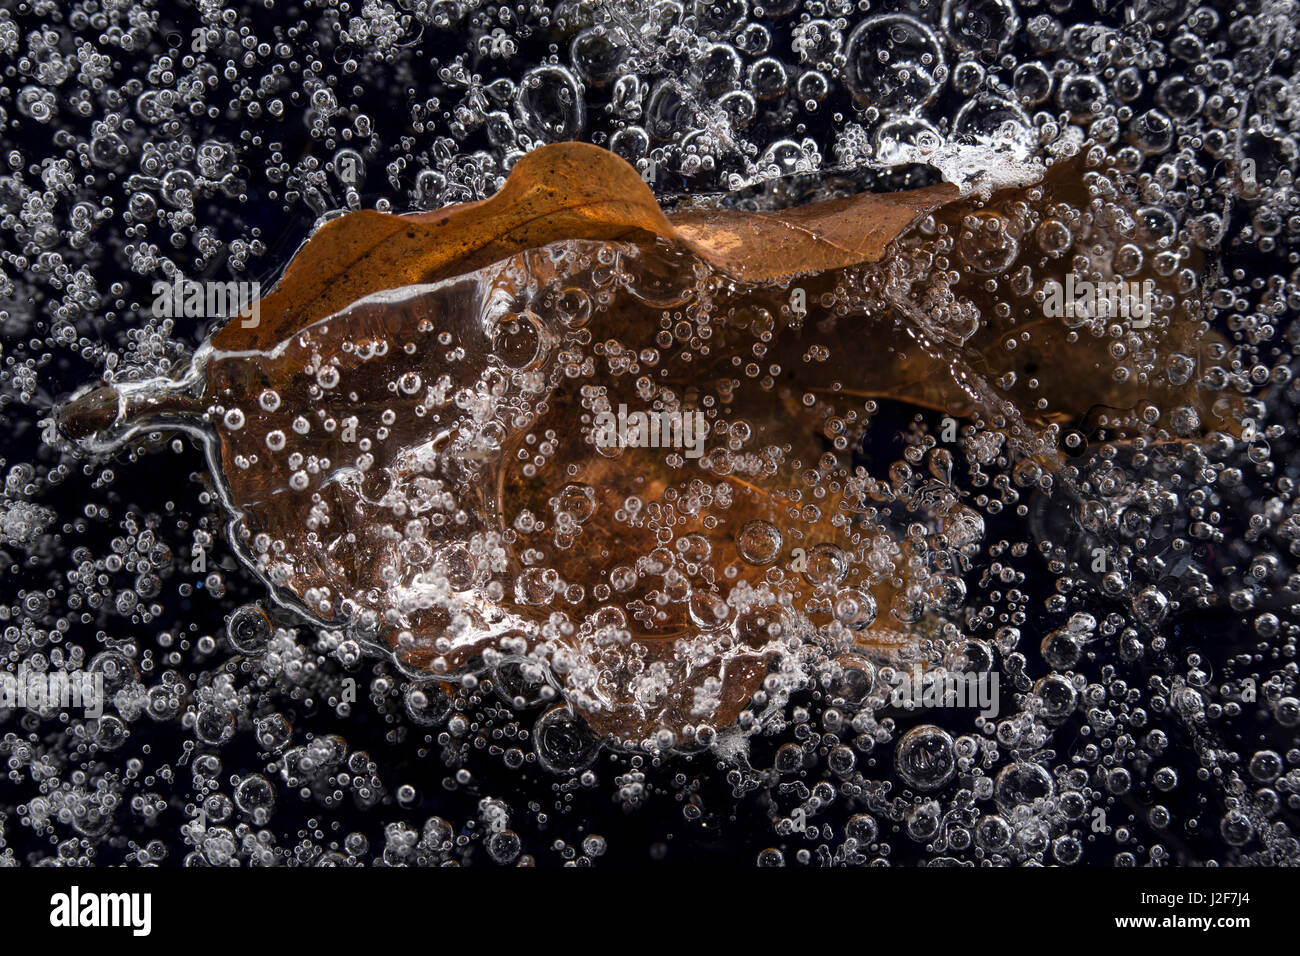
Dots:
{"x": 567, "y": 191}
{"x": 408, "y": 442}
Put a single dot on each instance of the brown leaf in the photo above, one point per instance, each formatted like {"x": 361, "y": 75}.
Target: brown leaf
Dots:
{"x": 393, "y": 447}
{"x": 566, "y": 191}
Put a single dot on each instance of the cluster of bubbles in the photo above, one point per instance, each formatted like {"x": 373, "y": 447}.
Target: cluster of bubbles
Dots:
{"x": 1148, "y": 709}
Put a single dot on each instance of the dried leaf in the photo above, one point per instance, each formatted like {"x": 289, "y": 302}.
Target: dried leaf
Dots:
{"x": 566, "y": 191}
{"x": 405, "y": 442}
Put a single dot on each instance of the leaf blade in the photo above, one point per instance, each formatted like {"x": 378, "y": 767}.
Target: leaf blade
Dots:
{"x": 566, "y": 191}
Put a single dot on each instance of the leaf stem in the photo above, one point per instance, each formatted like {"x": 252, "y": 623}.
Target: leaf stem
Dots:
{"x": 105, "y": 411}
